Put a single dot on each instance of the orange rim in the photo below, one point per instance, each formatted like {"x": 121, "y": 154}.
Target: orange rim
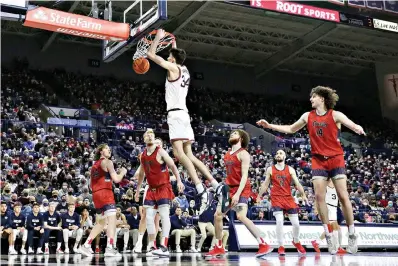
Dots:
{"x": 167, "y": 35}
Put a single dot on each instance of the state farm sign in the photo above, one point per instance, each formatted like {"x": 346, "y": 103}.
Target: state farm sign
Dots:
{"x": 297, "y": 9}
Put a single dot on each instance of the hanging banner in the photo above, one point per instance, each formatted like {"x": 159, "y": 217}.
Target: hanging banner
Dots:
{"x": 78, "y": 25}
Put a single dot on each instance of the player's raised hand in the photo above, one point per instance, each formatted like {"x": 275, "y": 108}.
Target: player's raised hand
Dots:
{"x": 180, "y": 187}
{"x": 263, "y": 123}
{"x": 359, "y": 130}
{"x": 160, "y": 34}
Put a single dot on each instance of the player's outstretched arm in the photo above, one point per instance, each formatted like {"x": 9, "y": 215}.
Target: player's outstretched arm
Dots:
{"x": 288, "y": 129}
{"x": 170, "y": 163}
{"x": 297, "y": 183}
{"x": 111, "y": 170}
{"x": 339, "y": 117}
{"x": 267, "y": 181}
{"x": 157, "y": 59}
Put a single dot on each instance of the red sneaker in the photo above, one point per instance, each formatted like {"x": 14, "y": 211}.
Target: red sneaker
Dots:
{"x": 281, "y": 251}
{"x": 341, "y": 251}
{"x": 299, "y": 247}
{"x": 263, "y": 249}
{"x": 97, "y": 250}
{"x": 216, "y": 251}
{"x": 316, "y": 246}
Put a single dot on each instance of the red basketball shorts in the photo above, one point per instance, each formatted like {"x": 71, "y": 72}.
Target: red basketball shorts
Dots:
{"x": 104, "y": 202}
{"x": 328, "y": 167}
{"x": 285, "y": 204}
{"x": 244, "y": 196}
{"x": 159, "y": 196}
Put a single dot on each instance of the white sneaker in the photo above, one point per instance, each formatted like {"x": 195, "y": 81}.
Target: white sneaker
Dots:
{"x": 66, "y": 251}
{"x": 76, "y": 250}
{"x": 178, "y": 249}
{"x": 352, "y": 244}
{"x": 125, "y": 250}
{"x": 111, "y": 252}
{"x": 162, "y": 251}
{"x": 138, "y": 249}
{"x": 331, "y": 244}
{"x": 59, "y": 251}
{"x": 12, "y": 252}
{"x": 46, "y": 251}
{"x": 31, "y": 251}
{"x": 39, "y": 251}
{"x": 193, "y": 250}
{"x": 87, "y": 251}
{"x": 150, "y": 252}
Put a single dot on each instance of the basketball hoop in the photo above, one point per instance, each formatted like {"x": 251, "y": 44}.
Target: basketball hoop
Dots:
{"x": 144, "y": 44}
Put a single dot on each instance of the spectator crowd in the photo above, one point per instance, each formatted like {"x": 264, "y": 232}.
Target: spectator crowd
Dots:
{"x": 45, "y": 172}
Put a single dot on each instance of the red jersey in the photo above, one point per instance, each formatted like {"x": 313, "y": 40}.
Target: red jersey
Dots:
{"x": 156, "y": 174}
{"x": 234, "y": 169}
{"x": 324, "y": 134}
{"x": 281, "y": 181}
{"x": 99, "y": 178}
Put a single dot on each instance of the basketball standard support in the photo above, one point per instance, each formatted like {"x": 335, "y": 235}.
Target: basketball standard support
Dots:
{"x": 147, "y": 21}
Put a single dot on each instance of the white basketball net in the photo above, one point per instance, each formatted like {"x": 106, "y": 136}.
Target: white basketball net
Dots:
{"x": 145, "y": 42}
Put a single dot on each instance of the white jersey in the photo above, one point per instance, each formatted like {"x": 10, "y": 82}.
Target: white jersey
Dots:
{"x": 331, "y": 197}
{"x": 177, "y": 90}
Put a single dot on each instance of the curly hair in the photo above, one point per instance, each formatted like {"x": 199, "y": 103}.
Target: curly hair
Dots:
{"x": 245, "y": 138}
{"x": 330, "y": 95}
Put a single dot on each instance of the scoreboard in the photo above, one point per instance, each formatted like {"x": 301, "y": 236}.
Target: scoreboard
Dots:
{"x": 304, "y": 10}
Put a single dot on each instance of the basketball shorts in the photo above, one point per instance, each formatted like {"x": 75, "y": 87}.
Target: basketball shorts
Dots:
{"x": 243, "y": 199}
{"x": 328, "y": 167}
{"x": 104, "y": 202}
{"x": 332, "y": 213}
{"x": 284, "y": 204}
{"x": 180, "y": 126}
{"x": 161, "y": 195}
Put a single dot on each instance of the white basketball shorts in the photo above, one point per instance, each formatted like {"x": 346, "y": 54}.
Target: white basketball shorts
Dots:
{"x": 180, "y": 126}
{"x": 332, "y": 213}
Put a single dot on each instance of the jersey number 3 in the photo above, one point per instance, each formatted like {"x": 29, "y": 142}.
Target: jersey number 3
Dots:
{"x": 185, "y": 81}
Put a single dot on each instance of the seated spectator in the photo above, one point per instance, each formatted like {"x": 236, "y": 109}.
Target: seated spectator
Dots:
{"x": 51, "y": 221}
{"x": 182, "y": 201}
{"x": 5, "y": 229}
{"x": 17, "y": 223}
{"x": 34, "y": 225}
{"x": 86, "y": 222}
{"x": 62, "y": 207}
{"x": 133, "y": 220}
{"x": 179, "y": 228}
{"x": 260, "y": 216}
{"x": 71, "y": 228}
{"x": 206, "y": 224}
{"x": 44, "y": 206}
{"x": 122, "y": 228}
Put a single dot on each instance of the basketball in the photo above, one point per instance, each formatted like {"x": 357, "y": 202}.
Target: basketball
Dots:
{"x": 141, "y": 65}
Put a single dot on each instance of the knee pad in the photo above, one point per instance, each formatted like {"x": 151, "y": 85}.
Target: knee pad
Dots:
{"x": 164, "y": 212}
{"x": 279, "y": 217}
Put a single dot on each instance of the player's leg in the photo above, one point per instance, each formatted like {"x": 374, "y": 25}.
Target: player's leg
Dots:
{"x": 142, "y": 226}
{"x": 31, "y": 234}
{"x": 150, "y": 225}
{"x": 110, "y": 215}
{"x": 199, "y": 164}
{"x": 77, "y": 235}
{"x": 241, "y": 214}
{"x": 341, "y": 189}
{"x": 157, "y": 224}
{"x": 164, "y": 214}
{"x": 203, "y": 234}
{"x": 11, "y": 250}
{"x": 294, "y": 220}
{"x": 218, "y": 227}
{"x": 41, "y": 242}
{"x": 85, "y": 249}
{"x": 278, "y": 214}
{"x": 66, "y": 233}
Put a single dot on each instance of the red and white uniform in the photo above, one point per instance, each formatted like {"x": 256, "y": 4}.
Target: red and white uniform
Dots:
{"x": 327, "y": 153}
{"x": 160, "y": 191}
{"x": 101, "y": 185}
{"x": 281, "y": 195}
{"x": 234, "y": 176}
{"x": 178, "y": 118}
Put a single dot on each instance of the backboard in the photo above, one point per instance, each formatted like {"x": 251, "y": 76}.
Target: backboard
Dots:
{"x": 143, "y": 16}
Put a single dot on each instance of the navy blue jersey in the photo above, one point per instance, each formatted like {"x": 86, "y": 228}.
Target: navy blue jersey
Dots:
{"x": 51, "y": 220}
{"x": 68, "y": 220}
{"x": 5, "y": 220}
{"x": 17, "y": 221}
{"x": 34, "y": 221}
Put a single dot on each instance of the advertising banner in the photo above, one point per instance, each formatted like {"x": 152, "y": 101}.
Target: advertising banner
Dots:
{"x": 367, "y": 236}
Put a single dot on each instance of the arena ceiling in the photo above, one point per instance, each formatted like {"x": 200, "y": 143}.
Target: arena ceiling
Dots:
{"x": 232, "y": 34}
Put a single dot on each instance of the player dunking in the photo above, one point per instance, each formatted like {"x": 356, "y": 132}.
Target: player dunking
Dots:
{"x": 324, "y": 125}
{"x": 142, "y": 226}
{"x": 178, "y": 119}
{"x": 237, "y": 162}
{"x": 154, "y": 161}
{"x": 281, "y": 176}
{"x": 335, "y": 218}
{"x": 102, "y": 175}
